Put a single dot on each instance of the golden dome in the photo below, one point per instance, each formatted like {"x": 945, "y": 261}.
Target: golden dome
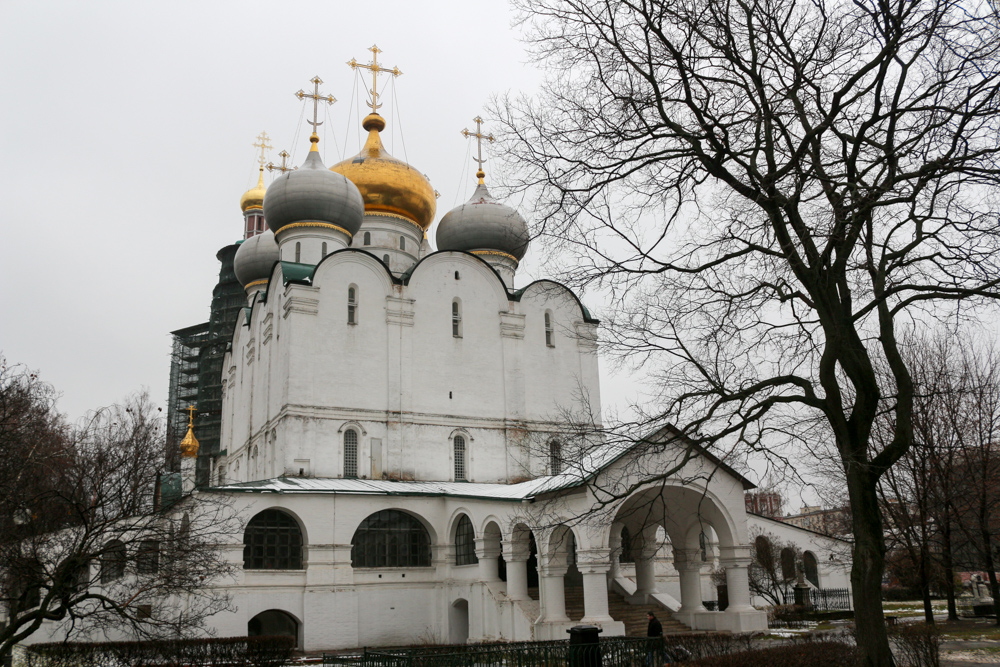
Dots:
{"x": 388, "y": 185}
{"x": 254, "y": 197}
{"x": 189, "y": 445}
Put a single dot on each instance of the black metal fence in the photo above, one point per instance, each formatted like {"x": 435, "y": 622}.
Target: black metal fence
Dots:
{"x": 824, "y": 599}
{"x": 610, "y": 652}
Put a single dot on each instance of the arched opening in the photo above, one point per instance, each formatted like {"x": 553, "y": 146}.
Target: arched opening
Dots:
{"x": 811, "y": 566}
{"x": 273, "y": 623}
{"x": 458, "y": 622}
{"x": 787, "y": 564}
{"x": 465, "y": 542}
{"x": 391, "y": 538}
{"x": 272, "y": 541}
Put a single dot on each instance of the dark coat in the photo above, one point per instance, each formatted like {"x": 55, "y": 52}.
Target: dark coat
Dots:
{"x": 654, "y": 629}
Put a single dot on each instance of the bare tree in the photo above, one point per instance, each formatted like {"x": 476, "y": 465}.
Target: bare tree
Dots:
{"x": 769, "y": 191}
{"x": 84, "y": 538}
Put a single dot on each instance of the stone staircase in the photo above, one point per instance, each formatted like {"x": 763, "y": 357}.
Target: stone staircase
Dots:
{"x": 632, "y": 615}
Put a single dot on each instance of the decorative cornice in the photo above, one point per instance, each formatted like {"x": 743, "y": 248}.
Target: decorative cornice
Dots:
{"x": 315, "y": 223}
{"x": 254, "y": 283}
{"x": 386, "y": 214}
{"x": 497, "y": 253}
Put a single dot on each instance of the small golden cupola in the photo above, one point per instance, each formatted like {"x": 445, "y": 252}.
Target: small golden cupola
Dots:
{"x": 388, "y": 186}
{"x": 189, "y": 445}
{"x": 254, "y": 197}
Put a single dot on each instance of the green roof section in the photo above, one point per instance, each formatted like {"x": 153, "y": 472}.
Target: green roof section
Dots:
{"x": 295, "y": 272}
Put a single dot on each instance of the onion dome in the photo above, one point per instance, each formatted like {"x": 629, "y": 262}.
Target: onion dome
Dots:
{"x": 313, "y": 196}
{"x": 255, "y": 259}
{"x": 483, "y": 225}
{"x": 254, "y": 197}
{"x": 388, "y": 186}
{"x": 189, "y": 445}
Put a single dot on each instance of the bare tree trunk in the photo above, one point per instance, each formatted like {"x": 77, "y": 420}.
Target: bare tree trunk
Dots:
{"x": 991, "y": 570}
{"x": 949, "y": 569}
{"x": 868, "y": 568}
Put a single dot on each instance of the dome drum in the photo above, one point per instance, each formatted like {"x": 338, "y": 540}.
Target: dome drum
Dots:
{"x": 309, "y": 242}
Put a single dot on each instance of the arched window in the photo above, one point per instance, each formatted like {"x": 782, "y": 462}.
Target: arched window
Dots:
{"x": 273, "y": 622}
{"x": 368, "y": 238}
{"x": 459, "y": 458}
{"x": 112, "y": 561}
{"x": 385, "y": 258}
{"x": 627, "y": 555}
{"x": 763, "y": 554}
{"x": 350, "y": 453}
{"x": 272, "y": 541}
{"x": 811, "y": 566}
{"x": 465, "y": 542}
{"x": 147, "y": 558}
{"x": 787, "y": 564}
{"x": 555, "y": 457}
{"x": 391, "y": 538}
{"x": 456, "y": 318}
{"x": 402, "y": 243}
{"x": 324, "y": 249}
{"x": 298, "y": 251}
{"x": 352, "y": 305}
{"x": 550, "y": 339}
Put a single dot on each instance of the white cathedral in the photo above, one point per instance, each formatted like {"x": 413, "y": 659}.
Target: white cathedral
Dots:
{"x": 393, "y": 433}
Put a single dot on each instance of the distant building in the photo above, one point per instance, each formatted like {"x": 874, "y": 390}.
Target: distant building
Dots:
{"x": 834, "y": 522}
{"x": 764, "y": 503}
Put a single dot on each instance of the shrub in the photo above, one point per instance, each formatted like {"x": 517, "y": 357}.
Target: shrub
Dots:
{"x": 804, "y": 654}
{"x": 916, "y": 645}
{"x": 701, "y": 646}
{"x": 209, "y": 652}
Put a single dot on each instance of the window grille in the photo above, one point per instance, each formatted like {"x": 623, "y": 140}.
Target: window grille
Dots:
{"x": 352, "y": 305}
{"x": 391, "y": 538}
{"x": 112, "y": 561}
{"x": 456, "y": 319}
{"x": 459, "y": 458}
{"x": 465, "y": 542}
{"x": 350, "y": 453}
{"x": 549, "y": 334}
{"x": 147, "y": 559}
{"x": 272, "y": 541}
{"x": 555, "y": 458}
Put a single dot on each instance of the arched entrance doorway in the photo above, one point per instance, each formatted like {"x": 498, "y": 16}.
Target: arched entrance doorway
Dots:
{"x": 273, "y": 622}
{"x": 458, "y": 622}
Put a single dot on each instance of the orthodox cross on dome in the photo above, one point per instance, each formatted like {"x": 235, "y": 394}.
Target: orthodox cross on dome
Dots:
{"x": 478, "y": 134}
{"x": 283, "y": 167}
{"x": 316, "y": 98}
{"x": 190, "y": 410}
{"x": 263, "y": 146}
{"x": 375, "y": 69}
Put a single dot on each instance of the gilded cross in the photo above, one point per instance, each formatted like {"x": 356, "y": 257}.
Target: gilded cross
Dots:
{"x": 316, "y": 98}
{"x": 283, "y": 167}
{"x": 375, "y": 69}
{"x": 478, "y": 134}
{"x": 263, "y": 146}
{"x": 191, "y": 410}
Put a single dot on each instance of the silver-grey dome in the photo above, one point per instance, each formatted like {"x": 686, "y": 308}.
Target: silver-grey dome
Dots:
{"x": 483, "y": 223}
{"x": 255, "y": 258}
{"x": 313, "y": 193}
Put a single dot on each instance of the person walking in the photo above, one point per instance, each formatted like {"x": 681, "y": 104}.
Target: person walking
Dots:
{"x": 657, "y": 646}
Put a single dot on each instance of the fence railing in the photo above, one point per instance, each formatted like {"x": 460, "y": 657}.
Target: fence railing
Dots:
{"x": 610, "y": 652}
{"x": 824, "y": 599}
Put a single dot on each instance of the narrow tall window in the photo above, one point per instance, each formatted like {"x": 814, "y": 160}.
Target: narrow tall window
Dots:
{"x": 147, "y": 558}
{"x": 324, "y": 248}
{"x": 368, "y": 238}
{"x": 352, "y": 305}
{"x": 385, "y": 258}
{"x": 459, "y": 458}
{"x": 402, "y": 243}
{"x": 350, "y": 453}
{"x": 298, "y": 251}
{"x": 260, "y": 224}
{"x": 456, "y": 319}
{"x": 549, "y": 337}
{"x": 555, "y": 457}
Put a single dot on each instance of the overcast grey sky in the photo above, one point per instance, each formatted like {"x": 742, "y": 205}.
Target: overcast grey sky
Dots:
{"x": 126, "y": 131}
